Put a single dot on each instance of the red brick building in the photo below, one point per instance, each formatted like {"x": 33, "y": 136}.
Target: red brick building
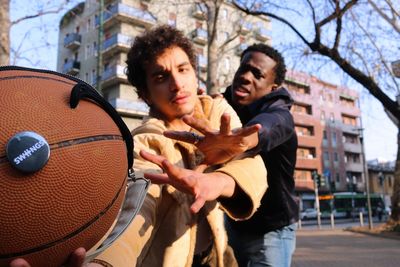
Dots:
{"x": 328, "y": 125}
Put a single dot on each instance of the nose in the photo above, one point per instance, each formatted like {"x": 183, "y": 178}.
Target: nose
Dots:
{"x": 244, "y": 77}
{"x": 176, "y": 82}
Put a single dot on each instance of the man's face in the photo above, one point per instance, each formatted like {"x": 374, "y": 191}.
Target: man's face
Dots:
{"x": 172, "y": 84}
{"x": 254, "y": 78}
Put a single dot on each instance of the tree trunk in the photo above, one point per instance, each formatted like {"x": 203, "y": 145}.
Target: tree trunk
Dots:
{"x": 396, "y": 188}
{"x": 4, "y": 33}
{"x": 212, "y": 49}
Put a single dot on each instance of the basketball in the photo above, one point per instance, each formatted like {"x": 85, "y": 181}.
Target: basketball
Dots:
{"x": 63, "y": 167}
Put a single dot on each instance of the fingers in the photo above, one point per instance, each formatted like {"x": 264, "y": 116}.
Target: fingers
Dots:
{"x": 197, "y": 205}
{"x": 180, "y": 136}
{"x": 157, "y": 178}
{"x": 225, "y": 127}
{"x": 198, "y": 124}
{"x": 77, "y": 258}
{"x": 19, "y": 263}
{"x": 156, "y": 159}
{"x": 249, "y": 130}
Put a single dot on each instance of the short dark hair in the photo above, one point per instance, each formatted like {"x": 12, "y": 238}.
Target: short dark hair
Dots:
{"x": 147, "y": 47}
{"x": 280, "y": 68}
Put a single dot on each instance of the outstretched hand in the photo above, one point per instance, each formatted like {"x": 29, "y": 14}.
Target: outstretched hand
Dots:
{"x": 218, "y": 146}
{"x": 203, "y": 186}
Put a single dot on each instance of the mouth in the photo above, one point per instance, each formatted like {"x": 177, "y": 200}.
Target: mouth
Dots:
{"x": 180, "y": 99}
{"x": 241, "y": 91}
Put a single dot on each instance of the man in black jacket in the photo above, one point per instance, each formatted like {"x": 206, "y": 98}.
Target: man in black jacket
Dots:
{"x": 269, "y": 237}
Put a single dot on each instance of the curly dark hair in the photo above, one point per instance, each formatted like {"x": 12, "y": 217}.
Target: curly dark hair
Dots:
{"x": 280, "y": 68}
{"x": 148, "y": 47}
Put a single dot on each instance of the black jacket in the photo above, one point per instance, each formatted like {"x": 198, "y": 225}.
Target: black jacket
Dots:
{"x": 277, "y": 147}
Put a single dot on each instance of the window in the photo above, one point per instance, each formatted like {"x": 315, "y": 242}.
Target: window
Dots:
{"x": 302, "y": 175}
{"x": 88, "y": 25}
{"x": 87, "y": 77}
{"x": 332, "y": 117}
{"x": 321, "y": 96}
{"x": 349, "y": 120}
{"x": 303, "y": 130}
{"x": 325, "y": 135}
{"x": 350, "y": 138}
{"x": 224, "y": 13}
{"x": 87, "y": 51}
{"x": 306, "y": 152}
{"x": 389, "y": 181}
{"x": 347, "y": 101}
{"x": 335, "y": 157}
{"x": 322, "y": 115}
{"x": 302, "y": 108}
{"x": 95, "y": 49}
{"x": 93, "y": 78}
{"x": 326, "y": 155}
{"x": 337, "y": 178}
{"x": 334, "y": 139}
{"x": 172, "y": 19}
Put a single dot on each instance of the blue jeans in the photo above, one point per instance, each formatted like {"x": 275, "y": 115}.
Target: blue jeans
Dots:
{"x": 274, "y": 248}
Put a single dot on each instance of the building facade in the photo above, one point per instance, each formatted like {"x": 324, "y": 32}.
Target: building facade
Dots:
{"x": 83, "y": 54}
{"x": 328, "y": 125}
{"x": 381, "y": 179}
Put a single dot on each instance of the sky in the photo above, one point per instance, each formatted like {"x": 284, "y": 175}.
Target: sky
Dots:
{"x": 35, "y": 42}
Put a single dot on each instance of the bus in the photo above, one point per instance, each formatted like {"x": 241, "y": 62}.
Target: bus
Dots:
{"x": 349, "y": 204}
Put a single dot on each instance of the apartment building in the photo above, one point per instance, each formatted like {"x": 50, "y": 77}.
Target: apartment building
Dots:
{"x": 79, "y": 45}
{"x": 328, "y": 125}
{"x": 381, "y": 179}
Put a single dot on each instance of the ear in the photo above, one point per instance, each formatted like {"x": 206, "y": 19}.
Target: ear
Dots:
{"x": 274, "y": 87}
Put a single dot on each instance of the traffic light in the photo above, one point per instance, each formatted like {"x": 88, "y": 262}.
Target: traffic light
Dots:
{"x": 322, "y": 180}
{"x": 317, "y": 178}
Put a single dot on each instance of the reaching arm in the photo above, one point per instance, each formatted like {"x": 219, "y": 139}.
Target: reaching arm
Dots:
{"x": 218, "y": 146}
{"x": 203, "y": 186}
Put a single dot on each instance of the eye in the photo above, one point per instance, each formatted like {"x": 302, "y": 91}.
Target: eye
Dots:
{"x": 257, "y": 74}
{"x": 184, "y": 69}
{"x": 160, "y": 77}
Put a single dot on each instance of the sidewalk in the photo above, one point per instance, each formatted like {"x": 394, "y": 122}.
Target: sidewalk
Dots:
{"x": 339, "y": 248}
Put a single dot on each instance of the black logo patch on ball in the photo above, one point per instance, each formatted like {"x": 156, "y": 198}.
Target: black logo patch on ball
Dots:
{"x": 28, "y": 151}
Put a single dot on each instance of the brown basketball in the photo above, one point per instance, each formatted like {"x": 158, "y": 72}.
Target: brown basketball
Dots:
{"x": 73, "y": 199}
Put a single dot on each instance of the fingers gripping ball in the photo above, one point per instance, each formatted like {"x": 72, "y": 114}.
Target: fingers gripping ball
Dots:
{"x": 63, "y": 169}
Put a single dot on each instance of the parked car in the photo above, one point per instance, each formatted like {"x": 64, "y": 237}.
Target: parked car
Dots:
{"x": 309, "y": 213}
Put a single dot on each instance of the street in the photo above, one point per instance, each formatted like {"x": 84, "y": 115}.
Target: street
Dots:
{"x": 339, "y": 248}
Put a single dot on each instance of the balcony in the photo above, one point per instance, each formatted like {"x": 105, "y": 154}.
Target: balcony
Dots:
{"x": 72, "y": 40}
{"x": 245, "y": 27}
{"x": 72, "y": 67}
{"x": 202, "y": 62}
{"x": 240, "y": 48}
{"x": 114, "y": 75}
{"x": 116, "y": 43}
{"x": 262, "y": 35}
{"x": 200, "y": 11}
{"x": 124, "y": 13}
{"x": 199, "y": 36}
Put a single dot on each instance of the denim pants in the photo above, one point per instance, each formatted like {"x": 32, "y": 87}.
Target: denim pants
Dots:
{"x": 274, "y": 248}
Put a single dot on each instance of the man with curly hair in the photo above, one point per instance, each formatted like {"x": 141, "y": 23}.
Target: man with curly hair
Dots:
{"x": 181, "y": 223}
{"x": 174, "y": 228}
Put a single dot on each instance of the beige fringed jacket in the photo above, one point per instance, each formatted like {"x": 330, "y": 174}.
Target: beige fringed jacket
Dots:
{"x": 164, "y": 231}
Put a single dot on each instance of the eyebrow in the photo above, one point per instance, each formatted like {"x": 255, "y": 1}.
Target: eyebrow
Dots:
{"x": 160, "y": 70}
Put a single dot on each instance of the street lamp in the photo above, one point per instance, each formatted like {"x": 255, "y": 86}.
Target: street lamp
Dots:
{"x": 370, "y": 224}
